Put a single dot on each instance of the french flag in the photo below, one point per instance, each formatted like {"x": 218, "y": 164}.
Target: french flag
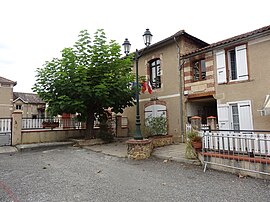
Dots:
{"x": 149, "y": 87}
{"x": 144, "y": 86}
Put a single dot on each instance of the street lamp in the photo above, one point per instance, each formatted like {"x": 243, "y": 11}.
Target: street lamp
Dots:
{"x": 147, "y": 36}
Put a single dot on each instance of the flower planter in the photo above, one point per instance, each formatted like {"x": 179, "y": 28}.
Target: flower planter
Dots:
{"x": 161, "y": 140}
{"x": 197, "y": 145}
{"x": 50, "y": 125}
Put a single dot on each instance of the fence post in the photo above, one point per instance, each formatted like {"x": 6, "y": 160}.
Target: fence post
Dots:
{"x": 118, "y": 125}
{"x": 196, "y": 123}
{"x": 16, "y": 127}
{"x": 212, "y": 122}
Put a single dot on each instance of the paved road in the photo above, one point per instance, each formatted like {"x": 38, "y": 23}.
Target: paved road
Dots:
{"x": 73, "y": 174}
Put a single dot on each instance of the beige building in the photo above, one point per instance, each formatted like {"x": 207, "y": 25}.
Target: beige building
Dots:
{"x": 31, "y": 105}
{"x": 230, "y": 79}
{"x": 160, "y": 65}
{"x": 6, "y": 97}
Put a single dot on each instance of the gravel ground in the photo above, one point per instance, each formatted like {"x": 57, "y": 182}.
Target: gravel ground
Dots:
{"x": 74, "y": 174}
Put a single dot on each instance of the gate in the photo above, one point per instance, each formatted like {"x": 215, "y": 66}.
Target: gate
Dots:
{"x": 5, "y": 131}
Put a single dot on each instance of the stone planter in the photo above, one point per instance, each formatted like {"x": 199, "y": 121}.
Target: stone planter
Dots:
{"x": 139, "y": 149}
{"x": 161, "y": 140}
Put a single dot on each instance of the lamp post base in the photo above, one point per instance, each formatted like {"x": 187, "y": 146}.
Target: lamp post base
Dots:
{"x": 139, "y": 149}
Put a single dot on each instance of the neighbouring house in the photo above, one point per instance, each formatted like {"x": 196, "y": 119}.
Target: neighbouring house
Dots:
{"x": 6, "y": 97}
{"x": 230, "y": 79}
{"x": 31, "y": 105}
{"x": 160, "y": 65}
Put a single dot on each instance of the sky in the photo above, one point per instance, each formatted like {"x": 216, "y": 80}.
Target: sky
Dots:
{"x": 35, "y": 31}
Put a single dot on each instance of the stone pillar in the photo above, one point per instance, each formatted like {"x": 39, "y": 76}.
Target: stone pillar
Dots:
{"x": 139, "y": 149}
{"x": 118, "y": 125}
{"x": 196, "y": 123}
{"x": 212, "y": 122}
{"x": 16, "y": 127}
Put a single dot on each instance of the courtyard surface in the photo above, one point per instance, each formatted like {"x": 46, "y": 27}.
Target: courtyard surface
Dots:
{"x": 76, "y": 174}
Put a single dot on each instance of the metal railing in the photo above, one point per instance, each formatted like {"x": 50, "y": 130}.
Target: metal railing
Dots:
{"x": 244, "y": 150}
{"x": 5, "y": 131}
{"x": 5, "y": 124}
{"x": 29, "y": 123}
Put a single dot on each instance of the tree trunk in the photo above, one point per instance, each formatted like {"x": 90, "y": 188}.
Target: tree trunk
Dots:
{"x": 89, "y": 133}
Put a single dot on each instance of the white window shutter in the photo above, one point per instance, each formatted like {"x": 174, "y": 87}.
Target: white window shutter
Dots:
{"x": 221, "y": 67}
{"x": 148, "y": 113}
{"x": 241, "y": 62}
{"x": 223, "y": 116}
{"x": 160, "y": 110}
{"x": 245, "y": 117}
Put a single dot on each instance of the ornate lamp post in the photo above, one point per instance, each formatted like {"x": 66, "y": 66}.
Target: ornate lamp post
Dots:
{"x": 147, "y": 36}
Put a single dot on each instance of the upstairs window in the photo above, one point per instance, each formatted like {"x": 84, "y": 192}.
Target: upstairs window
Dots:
{"x": 155, "y": 73}
{"x": 236, "y": 64}
{"x": 19, "y": 107}
{"x": 199, "y": 70}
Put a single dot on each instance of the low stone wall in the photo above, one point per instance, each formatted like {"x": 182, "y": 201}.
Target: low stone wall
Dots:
{"x": 139, "y": 149}
{"x": 40, "y": 136}
{"x": 163, "y": 140}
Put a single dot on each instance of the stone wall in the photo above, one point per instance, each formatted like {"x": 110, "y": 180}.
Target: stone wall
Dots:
{"x": 160, "y": 141}
{"x": 139, "y": 149}
{"x": 41, "y": 136}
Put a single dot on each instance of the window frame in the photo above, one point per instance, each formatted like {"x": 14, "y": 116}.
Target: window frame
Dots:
{"x": 19, "y": 107}
{"x": 157, "y": 67}
{"x": 200, "y": 72}
{"x": 224, "y": 65}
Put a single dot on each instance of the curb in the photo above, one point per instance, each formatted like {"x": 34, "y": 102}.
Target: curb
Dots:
{"x": 29, "y": 147}
{"x": 8, "y": 150}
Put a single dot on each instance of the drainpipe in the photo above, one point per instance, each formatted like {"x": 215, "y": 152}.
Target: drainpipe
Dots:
{"x": 180, "y": 66}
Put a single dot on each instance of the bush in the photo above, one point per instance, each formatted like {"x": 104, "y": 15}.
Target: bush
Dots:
{"x": 156, "y": 126}
{"x": 194, "y": 137}
{"x": 105, "y": 134}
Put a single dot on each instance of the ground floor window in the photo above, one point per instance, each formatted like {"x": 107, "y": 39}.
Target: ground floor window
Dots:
{"x": 235, "y": 116}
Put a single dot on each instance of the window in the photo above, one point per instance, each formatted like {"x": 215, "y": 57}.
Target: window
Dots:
{"x": 235, "y": 116}
{"x": 155, "y": 73}
{"x": 199, "y": 70}
{"x": 19, "y": 107}
{"x": 232, "y": 64}
{"x": 154, "y": 111}
{"x": 236, "y": 64}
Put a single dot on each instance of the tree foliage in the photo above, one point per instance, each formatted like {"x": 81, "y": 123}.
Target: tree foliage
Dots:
{"x": 88, "y": 78}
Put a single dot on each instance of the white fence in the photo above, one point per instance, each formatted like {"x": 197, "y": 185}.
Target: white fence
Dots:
{"x": 5, "y": 125}
{"x": 203, "y": 127}
{"x": 239, "y": 150}
{"x": 5, "y": 131}
{"x": 28, "y": 123}
{"x": 237, "y": 142}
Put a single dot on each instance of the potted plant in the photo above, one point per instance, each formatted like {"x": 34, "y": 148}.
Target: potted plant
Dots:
{"x": 195, "y": 139}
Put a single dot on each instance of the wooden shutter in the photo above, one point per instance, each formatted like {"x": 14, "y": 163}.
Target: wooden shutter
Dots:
{"x": 245, "y": 118}
{"x": 223, "y": 116}
{"x": 241, "y": 62}
{"x": 221, "y": 67}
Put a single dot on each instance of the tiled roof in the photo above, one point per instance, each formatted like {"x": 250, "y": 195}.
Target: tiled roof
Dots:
{"x": 28, "y": 97}
{"x": 170, "y": 39}
{"x": 6, "y": 81}
{"x": 231, "y": 40}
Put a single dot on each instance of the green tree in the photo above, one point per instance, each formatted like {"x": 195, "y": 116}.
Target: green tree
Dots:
{"x": 89, "y": 78}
